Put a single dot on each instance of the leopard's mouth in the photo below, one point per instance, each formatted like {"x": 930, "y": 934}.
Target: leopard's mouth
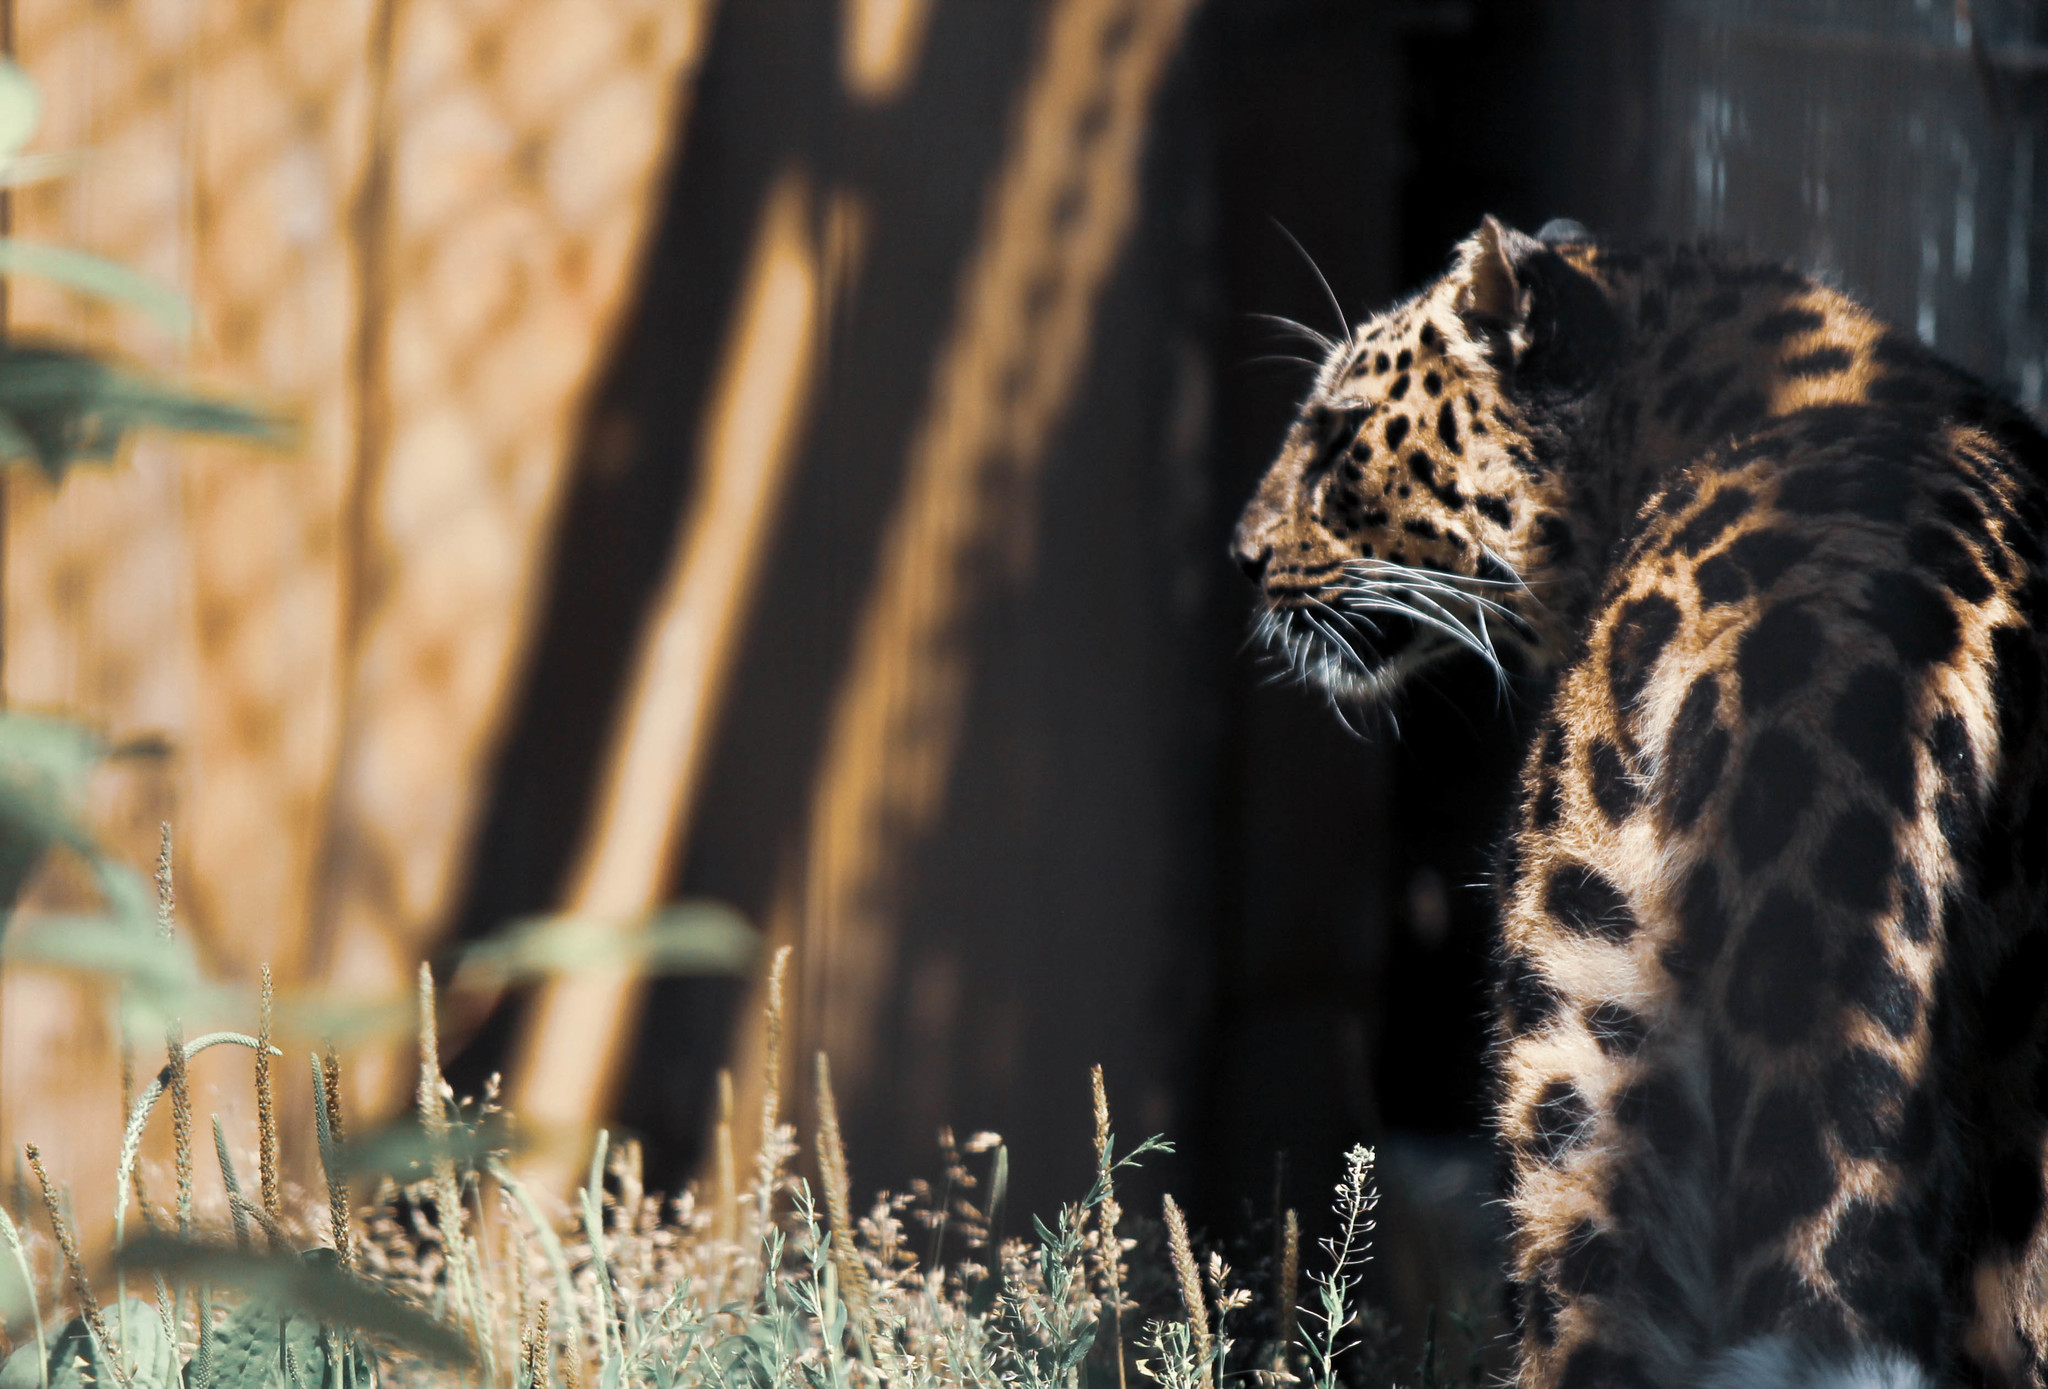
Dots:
{"x": 1362, "y": 635}
{"x": 1366, "y": 639}
{"x": 1353, "y": 656}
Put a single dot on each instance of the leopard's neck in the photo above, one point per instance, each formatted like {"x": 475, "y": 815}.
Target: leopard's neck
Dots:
{"x": 1716, "y": 348}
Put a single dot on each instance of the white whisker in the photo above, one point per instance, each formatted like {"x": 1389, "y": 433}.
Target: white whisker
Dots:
{"x": 1384, "y": 578}
{"x": 1450, "y": 629}
{"x": 1485, "y": 641}
{"x": 1374, "y": 568}
{"x": 1339, "y": 640}
{"x": 1349, "y": 619}
{"x": 1329, "y": 625}
{"x": 1423, "y": 585}
{"x": 1299, "y": 329}
{"x": 1336, "y": 306}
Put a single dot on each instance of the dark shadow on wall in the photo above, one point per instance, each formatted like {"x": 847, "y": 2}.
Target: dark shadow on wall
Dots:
{"x": 1355, "y": 930}
{"x": 1262, "y": 924}
{"x": 757, "y": 107}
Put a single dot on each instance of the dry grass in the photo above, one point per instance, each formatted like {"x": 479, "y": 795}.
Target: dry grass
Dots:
{"x": 453, "y": 1272}
{"x": 463, "y": 1275}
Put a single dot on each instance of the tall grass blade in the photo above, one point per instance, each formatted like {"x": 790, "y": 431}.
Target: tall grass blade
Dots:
{"x": 551, "y": 1245}
{"x": 1190, "y": 1283}
{"x": 12, "y": 1236}
{"x": 138, "y": 1117}
{"x": 67, "y": 1246}
{"x": 232, "y": 1184}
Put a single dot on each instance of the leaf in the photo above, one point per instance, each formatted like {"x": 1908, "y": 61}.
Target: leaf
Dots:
{"x": 97, "y": 276}
{"x": 14, "y": 443}
{"x": 406, "y": 1151}
{"x": 59, "y": 407}
{"x": 692, "y": 938}
{"x": 249, "y": 1353}
{"x": 312, "y": 1287}
{"x": 117, "y": 943}
{"x": 44, "y": 764}
{"x": 20, "y": 107}
{"x": 158, "y": 973}
{"x": 78, "y": 1361}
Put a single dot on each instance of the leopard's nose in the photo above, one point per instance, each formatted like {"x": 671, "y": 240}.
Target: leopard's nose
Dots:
{"x": 1252, "y": 557}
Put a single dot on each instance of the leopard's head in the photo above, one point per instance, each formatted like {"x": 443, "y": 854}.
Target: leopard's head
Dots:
{"x": 1416, "y": 509}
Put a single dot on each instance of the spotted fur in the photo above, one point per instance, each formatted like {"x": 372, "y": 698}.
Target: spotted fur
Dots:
{"x": 1769, "y": 1061}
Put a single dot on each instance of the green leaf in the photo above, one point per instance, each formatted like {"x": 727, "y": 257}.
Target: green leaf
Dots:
{"x": 44, "y": 764}
{"x": 78, "y": 1361}
{"x": 97, "y": 276}
{"x": 20, "y": 107}
{"x": 46, "y": 760}
{"x": 156, "y": 971}
{"x": 62, "y": 407}
{"x": 249, "y": 1352}
{"x": 312, "y": 1288}
{"x": 692, "y": 938}
{"x": 13, "y": 442}
{"x": 407, "y": 1152}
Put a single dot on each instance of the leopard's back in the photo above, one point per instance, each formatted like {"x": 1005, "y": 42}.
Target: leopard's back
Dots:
{"x": 1773, "y": 937}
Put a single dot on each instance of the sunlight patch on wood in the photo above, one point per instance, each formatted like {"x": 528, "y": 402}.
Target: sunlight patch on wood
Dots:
{"x": 1057, "y": 217}
{"x": 880, "y": 41}
{"x": 575, "y": 1037}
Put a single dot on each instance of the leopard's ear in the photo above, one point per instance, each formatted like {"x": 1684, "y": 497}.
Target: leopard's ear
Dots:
{"x": 1494, "y": 292}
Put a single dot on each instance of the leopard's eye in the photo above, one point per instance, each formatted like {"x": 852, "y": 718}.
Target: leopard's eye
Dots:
{"x": 1333, "y": 426}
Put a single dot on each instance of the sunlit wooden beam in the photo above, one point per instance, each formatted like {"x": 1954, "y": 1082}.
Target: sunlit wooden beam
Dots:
{"x": 570, "y": 1053}
{"x": 880, "y": 42}
{"x": 1057, "y": 217}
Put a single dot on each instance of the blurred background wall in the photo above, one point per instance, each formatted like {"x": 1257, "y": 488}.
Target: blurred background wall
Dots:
{"x": 781, "y": 451}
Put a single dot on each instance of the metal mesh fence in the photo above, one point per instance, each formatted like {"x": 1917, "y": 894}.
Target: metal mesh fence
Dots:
{"x": 412, "y": 221}
{"x": 1896, "y": 147}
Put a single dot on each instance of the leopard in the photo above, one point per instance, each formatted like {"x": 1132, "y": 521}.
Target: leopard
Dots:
{"x": 1765, "y": 577}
